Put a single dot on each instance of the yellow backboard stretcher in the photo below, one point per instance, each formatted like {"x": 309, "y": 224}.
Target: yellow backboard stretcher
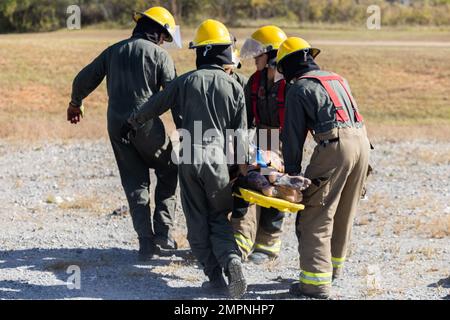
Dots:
{"x": 269, "y": 202}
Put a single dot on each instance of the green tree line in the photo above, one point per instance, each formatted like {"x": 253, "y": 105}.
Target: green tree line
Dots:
{"x": 47, "y": 15}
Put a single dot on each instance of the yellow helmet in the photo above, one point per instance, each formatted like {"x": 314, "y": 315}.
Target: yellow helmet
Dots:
{"x": 263, "y": 40}
{"x": 270, "y": 36}
{"x": 164, "y": 18}
{"x": 211, "y": 32}
{"x": 292, "y": 45}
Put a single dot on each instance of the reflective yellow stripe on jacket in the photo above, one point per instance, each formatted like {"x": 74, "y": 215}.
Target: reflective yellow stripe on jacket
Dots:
{"x": 316, "y": 279}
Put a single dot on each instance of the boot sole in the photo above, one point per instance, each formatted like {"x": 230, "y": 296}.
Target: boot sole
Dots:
{"x": 300, "y": 294}
{"x": 237, "y": 286}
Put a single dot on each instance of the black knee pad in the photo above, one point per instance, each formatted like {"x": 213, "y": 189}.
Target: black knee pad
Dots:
{"x": 240, "y": 208}
{"x": 271, "y": 219}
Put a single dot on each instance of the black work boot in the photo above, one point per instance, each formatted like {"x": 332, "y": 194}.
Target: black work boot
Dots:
{"x": 296, "y": 290}
{"x": 166, "y": 243}
{"x": 258, "y": 257}
{"x": 216, "y": 284}
{"x": 147, "y": 250}
{"x": 237, "y": 285}
{"x": 337, "y": 273}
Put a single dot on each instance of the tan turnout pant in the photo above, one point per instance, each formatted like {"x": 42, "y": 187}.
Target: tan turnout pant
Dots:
{"x": 338, "y": 172}
{"x": 259, "y": 230}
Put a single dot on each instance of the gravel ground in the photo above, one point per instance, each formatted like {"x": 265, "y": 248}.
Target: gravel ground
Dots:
{"x": 56, "y": 210}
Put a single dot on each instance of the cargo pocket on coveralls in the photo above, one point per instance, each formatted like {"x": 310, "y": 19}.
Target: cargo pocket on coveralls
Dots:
{"x": 319, "y": 189}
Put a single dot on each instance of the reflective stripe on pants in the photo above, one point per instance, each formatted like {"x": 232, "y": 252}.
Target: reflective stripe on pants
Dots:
{"x": 243, "y": 242}
{"x": 338, "y": 262}
{"x": 274, "y": 249}
{"x": 316, "y": 279}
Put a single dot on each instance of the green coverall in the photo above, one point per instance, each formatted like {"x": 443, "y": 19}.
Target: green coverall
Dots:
{"x": 136, "y": 69}
{"x": 208, "y": 97}
{"x": 240, "y": 78}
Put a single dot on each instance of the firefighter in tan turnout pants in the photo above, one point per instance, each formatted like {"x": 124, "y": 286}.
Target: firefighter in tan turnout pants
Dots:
{"x": 321, "y": 102}
{"x": 257, "y": 229}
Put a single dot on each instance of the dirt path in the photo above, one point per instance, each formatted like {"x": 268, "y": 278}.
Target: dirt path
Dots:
{"x": 57, "y": 200}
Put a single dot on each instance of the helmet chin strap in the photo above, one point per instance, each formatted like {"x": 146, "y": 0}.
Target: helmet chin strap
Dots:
{"x": 305, "y": 54}
{"x": 272, "y": 63}
{"x": 207, "y": 49}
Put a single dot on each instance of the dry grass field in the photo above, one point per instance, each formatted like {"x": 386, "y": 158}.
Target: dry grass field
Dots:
{"x": 401, "y": 78}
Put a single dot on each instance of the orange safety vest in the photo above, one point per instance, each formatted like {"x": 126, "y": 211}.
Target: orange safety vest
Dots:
{"x": 341, "y": 115}
{"x": 280, "y": 97}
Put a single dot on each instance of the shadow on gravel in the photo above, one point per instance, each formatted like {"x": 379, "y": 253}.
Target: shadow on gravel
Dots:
{"x": 443, "y": 283}
{"x": 104, "y": 273}
{"x": 265, "y": 290}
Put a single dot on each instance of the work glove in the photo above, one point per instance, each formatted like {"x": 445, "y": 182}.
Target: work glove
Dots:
{"x": 74, "y": 113}
{"x": 298, "y": 182}
{"x": 126, "y": 132}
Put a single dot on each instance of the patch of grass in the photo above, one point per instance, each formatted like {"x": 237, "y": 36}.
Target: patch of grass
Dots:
{"x": 171, "y": 268}
{"x": 87, "y": 203}
{"x": 362, "y": 221}
{"x": 372, "y": 292}
{"x": 398, "y": 228}
{"x": 435, "y": 157}
{"x": 181, "y": 238}
{"x": 18, "y": 183}
{"x": 438, "y": 228}
{"x": 379, "y": 231}
{"x": 399, "y": 89}
{"x": 52, "y": 199}
{"x": 426, "y": 252}
{"x": 174, "y": 268}
{"x": 372, "y": 275}
{"x": 191, "y": 278}
{"x": 273, "y": 265}
{"x": 433, "y": 269}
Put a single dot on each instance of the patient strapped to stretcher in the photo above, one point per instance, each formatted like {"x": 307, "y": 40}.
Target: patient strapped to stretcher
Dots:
{"x": 273, "y": 183}
{"x": 277, "y": 185}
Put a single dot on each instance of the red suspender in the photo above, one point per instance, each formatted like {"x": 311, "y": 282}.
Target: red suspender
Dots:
{"x": 255, "y": 88}
{"x": 358, "y": 117}
{"x": 256, "y": 81}
{"x": 281, "y": 101}
{"x": 341, "y": 115}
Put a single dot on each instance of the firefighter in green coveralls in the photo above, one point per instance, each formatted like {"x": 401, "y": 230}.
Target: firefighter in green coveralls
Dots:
{"x": 257, "y": 229}
{"x": 136, "y": 69}
{"x": 209, "y": 102}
